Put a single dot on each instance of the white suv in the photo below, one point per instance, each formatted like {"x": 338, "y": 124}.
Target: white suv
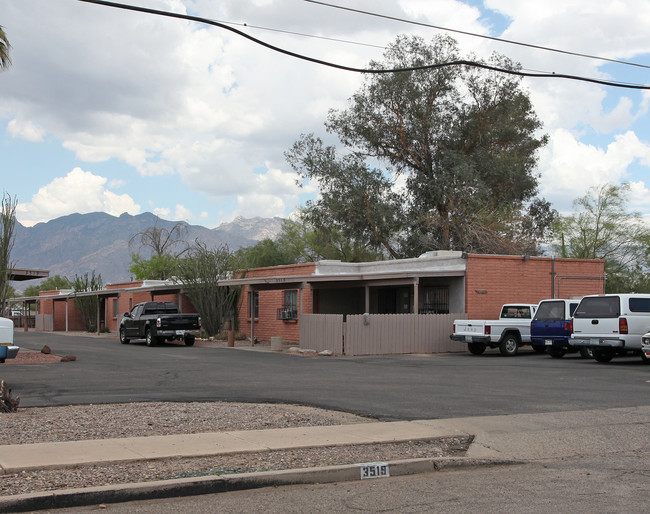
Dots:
{"x": 612, "y": 324}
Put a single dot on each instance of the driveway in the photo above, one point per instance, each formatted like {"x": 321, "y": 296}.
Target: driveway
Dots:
{"x": 387, "y": 387}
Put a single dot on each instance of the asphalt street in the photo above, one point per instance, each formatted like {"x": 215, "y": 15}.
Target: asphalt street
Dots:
{"x": 388, "y": 387}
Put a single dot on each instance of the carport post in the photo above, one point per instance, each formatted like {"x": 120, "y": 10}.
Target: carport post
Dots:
{"x": 416, "y": 294}
{"x": 99, "y": 307}
{"x": 367, "y": 299}
{"x": 251, "y": 309}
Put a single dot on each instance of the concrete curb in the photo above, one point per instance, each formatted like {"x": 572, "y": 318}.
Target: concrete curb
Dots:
{"x": 120, "y": 493}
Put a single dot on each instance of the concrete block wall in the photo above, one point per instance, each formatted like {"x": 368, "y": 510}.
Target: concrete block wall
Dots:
{"x": 493, "y": 280}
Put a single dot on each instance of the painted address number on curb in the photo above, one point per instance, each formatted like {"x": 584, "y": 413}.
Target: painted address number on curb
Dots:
{"x": 374, "y": 470}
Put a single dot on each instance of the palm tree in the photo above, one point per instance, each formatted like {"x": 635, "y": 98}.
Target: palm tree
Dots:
{"x": 5, "y": 61}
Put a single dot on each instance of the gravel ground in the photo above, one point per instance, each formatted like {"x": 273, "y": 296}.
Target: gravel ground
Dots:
{"x": 48, "y": 424}
{"x": 102, "y": 421}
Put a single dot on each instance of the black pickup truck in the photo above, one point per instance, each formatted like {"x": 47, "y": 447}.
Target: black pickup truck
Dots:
{"x": 156, "y": 322}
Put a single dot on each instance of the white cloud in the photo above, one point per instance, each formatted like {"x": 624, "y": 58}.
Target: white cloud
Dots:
{"x": 162, "y": 212}
{"x": 569, "y": 167}
{"x": 182, "y": 213}
{"x": 78, "y": 192}
{"x": 170, "y": 97}
{"x": 25, "y": 130}
{"x": 256, "y": 204}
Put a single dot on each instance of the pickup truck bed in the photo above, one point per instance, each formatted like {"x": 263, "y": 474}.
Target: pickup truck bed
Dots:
{"x": 507, "y": 333}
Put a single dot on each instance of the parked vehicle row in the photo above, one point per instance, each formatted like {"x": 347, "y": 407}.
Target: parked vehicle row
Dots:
{"x": 602, "y": 326}
{"x": 7, "y": 348}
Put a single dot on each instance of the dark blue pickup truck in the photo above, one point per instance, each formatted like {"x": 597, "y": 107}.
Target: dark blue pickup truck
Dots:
{"x": 551, "y": 327}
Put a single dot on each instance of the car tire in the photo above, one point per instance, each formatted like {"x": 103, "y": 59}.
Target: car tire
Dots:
{"x": 151, "y": 340}
{"x": 603, "y": 354}
{"x": 586, "y": 353}
{"x": 557, "y": 353}
{"x": 509, "y": 345}
{"x": 123, "y": 338}
{"x": 539, "y": 348}
{"x": 189, "y": 340}
{"x": 644, "y": 358}
{"x": 2, "y": 361}
{"x": 476, "y": 348}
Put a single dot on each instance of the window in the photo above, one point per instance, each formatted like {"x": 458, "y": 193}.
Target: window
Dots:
{"x": 640, "y": 304}
{"x": 598, "y": 307}
{"x": 116, "y": 307}
{"x": 435, "y": 300}
{"x": 516, "y": 311}
{"x": 550, "y": 311}
{"x": 289, "y": 309}
{"x": 254, "y": 304}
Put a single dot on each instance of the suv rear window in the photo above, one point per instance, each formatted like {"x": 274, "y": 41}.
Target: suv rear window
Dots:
{"x": 599, "y": 307}
{"x": 550, "y": 311}
{"x": 640, "y": 304}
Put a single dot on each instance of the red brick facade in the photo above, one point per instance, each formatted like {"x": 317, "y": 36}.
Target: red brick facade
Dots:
{"x": 493, "y": 280}
{"x": 267, "y": 324}
{"x": 489, "y": 281}
{"x": 53, "y": 303}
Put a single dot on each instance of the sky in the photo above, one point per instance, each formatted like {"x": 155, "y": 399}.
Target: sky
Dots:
{"x": 118, "y": 111}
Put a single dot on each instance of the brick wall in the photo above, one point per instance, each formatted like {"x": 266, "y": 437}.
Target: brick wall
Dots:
{"x": 267, "y": 325}
{"x": 49, "y": 304}
{"x": 493, "y": 280}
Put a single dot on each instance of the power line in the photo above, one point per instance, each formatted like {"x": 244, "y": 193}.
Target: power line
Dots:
{"x": 302, "y": 34}
{"x": 538, "y": 47}
{"x": 353, "y": 69}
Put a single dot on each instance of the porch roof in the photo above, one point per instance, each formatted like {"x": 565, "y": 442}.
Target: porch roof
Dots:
{"x": 449, "y": 264}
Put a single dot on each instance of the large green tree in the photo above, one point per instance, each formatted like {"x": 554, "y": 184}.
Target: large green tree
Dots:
{"x": 602, "y": 227}
{"x": 434, "y": 159}
{"x": 5, "y": 47}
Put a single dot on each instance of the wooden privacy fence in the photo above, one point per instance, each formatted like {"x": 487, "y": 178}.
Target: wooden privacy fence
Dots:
{"x": 44, "y": 322}
{"x": 379, "y": 334}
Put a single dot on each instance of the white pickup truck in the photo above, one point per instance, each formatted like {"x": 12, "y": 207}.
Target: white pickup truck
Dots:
{"x": 507, "y": 333}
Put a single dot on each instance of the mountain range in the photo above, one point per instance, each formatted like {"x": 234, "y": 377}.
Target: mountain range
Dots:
{"x": 82, "y": 243}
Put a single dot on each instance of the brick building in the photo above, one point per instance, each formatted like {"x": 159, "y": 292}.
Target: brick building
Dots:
{"x": 437, "y": 282}
{"x": 56, "y": 309}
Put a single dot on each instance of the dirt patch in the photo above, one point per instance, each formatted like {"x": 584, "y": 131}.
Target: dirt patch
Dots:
{"x": 33, "y": 357}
